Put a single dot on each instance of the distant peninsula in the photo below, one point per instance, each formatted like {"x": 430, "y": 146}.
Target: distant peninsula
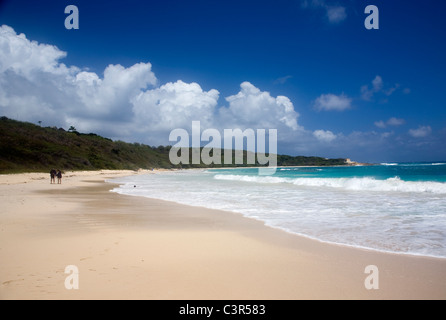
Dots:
{"x": 27, "y": 147}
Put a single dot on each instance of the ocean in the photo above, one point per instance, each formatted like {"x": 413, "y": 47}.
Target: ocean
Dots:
{"x": 391, "y": 207}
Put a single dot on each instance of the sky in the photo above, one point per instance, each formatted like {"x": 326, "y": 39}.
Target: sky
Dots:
{"x": 136, "y": 70}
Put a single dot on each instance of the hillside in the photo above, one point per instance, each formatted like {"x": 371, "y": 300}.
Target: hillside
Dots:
{"x": 29, "y": 147}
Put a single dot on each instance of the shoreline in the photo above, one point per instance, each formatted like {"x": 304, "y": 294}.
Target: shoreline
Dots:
{"x": 354, "y": 164}
{"x": 398, "y": 250}
{"x": 140, "y": 248}
{"x": 351, "y": 246}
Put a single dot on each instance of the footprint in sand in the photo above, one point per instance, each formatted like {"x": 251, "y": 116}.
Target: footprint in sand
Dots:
{"x": 10, "y": 281}
{"x": 82, "y": 259}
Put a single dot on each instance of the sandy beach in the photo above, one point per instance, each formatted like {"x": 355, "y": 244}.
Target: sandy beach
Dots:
{"x": 138, "y": 248}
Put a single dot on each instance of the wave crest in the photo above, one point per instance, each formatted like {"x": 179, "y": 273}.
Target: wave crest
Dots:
{"x": 394, "y": 184}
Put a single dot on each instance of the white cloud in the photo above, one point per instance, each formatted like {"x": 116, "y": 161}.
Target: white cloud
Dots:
{"x": 128, "y": 103}
{"x": 367, "y": 92}
{"x": 421, "y": 132}
{"x": 331, "y": 102}
{"x": 124, "y": 103}
{"x": 386, "y": 135}
{"x": 37, "y": 87}
{"x": 377, "y": 83}
{"x": 395, "y": 122}
{"x": 324, "y": 136}
{"x": 380, "y": 124}
{"x": 174, "y": 105}
{"x": 24, "y": 57}
{"x": 112, "y": 95}
{"x": 334, "y": 13}
{"x": 253, "y": 108}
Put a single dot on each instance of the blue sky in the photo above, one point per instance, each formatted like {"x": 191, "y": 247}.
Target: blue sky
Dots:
{"x": 135, "y": 70}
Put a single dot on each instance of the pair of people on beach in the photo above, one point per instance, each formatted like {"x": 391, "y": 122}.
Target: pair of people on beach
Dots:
{"x": 56, "y": 173}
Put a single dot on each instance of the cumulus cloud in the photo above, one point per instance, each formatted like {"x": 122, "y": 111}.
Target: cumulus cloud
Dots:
{"x": 30, "y": 76}
{"x": 37, "y": 87}
{"x": 174, "y": 105}
{"x": 331, "y": 102}
{"x": 24, "y": 57}
{"x": 421, "y": 132}
{"x": 253, "y": 108}
{"x": 395, "y": 122}
{"x": 324, "y": 136}
{"x": 333, "y": 12}
{"x": 387, "y": 134}
{"x": 380, "y": 124}
{"x": 112, "y": 95}
{"x": 126, "y": 102}
{"x": 377, "y": 83}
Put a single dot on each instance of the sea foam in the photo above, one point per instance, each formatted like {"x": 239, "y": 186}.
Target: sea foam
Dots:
{"x": 339, "y": 205}
{"x": 394, "y": 184}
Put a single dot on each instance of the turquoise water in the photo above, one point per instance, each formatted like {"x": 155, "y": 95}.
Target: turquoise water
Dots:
{"x": 427, "y": 172}
{"x": 399, "y": 208}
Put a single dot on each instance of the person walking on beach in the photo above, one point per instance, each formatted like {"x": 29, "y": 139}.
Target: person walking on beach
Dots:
{"x": 53, "y": 176}
{"x": 59, "y": 177}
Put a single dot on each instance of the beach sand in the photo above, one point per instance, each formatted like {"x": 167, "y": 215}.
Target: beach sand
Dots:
{"x": 136, "y": 248}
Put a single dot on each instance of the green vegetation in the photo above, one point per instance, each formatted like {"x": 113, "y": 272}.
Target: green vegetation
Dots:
{"x": 25, "y": 147}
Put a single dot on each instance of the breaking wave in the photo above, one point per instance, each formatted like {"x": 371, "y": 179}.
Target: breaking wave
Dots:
{"x": 394, "y": 184}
